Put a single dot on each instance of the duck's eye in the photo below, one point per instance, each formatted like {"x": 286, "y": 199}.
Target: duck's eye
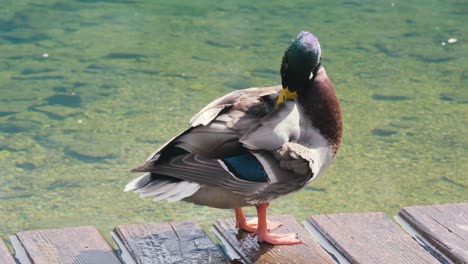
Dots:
{"x": 311, "y": 75}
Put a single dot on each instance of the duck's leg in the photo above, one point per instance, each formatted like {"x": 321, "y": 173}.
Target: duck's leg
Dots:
{"x": 242, "y": 223}
{"x": 262, "y": 230}
{"x": 251, "y": 225}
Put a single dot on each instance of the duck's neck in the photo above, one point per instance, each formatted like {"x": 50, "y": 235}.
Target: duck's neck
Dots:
{"x": 322, "y": 106}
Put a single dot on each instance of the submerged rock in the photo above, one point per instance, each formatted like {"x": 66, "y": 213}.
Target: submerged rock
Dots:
{"x": 23, "y": 37}
{"x": 38, "y": 77}
{"x": 454, "y": 97}
{"x": 383, "y": 132}
{"x": 35, "y": 70}
{"x": 17, "y": 142}
{"x": 17, "y": 126}
{"x": 69, "y": 100}
{"x": 382, "y": 97}
{"x": 25, "y": 165}
{"x": 90, "y": 153}
{"x": 7, "y": 113}
{"x": 219, "y": 44}
{"x": 61, "y": 183}
{"x": 265, "y": 73}
{"x": 404, "y": 123}
{"x": 124, "y": 55}
{"x": 238, "y": 83}
{"x": 86, "y": 148}
{"x": 431, "y": 58}
{"x": 387, "y": 49}
{"x": 56, "y": 111}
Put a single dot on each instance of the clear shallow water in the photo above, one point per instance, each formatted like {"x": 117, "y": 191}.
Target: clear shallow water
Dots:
{"x": 89, "y": 88}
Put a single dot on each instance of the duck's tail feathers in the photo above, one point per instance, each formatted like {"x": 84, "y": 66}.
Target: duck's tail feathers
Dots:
{"x": 162, "y": 188}
{"x": 138, "y": 183}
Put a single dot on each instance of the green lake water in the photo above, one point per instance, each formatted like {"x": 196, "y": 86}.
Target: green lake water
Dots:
{"x": 88, "y": 89}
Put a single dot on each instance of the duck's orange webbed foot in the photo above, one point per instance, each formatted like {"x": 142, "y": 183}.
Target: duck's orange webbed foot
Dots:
{"x": 263, "y": 234}
{"x": 251, "y": 225}
{"x": 277, "y": 239}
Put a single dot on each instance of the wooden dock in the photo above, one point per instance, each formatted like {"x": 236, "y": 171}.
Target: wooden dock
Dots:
{"x": 424, "y": 234}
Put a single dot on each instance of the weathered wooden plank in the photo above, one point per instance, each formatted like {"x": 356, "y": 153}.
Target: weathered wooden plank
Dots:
{"x": 5, "y": 256}
{"x": 243, "y": 247}
{"x": 369, "y": 238}
{"x": 183, "y": 242}
{"x": 444, "y": 226}
{"x": 76, "y": 245}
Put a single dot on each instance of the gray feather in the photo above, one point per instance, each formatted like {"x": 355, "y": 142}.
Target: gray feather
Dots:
{"x": 138, "y": 182}
{"x": 173, "y": 191}
{"x": 207, "y": 172}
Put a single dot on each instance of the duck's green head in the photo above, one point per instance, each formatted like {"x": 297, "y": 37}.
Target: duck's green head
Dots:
{"x": 301, "y": 60}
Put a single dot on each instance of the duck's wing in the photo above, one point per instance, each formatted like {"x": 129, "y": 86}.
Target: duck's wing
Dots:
{"x": 204, "y": 171}
{"x": 204, "y": 153}
{"x": 216, "y": 129}
{"x": 246, "y": 100}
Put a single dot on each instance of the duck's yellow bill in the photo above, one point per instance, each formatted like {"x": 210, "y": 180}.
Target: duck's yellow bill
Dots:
{"x": 285, "y": 95}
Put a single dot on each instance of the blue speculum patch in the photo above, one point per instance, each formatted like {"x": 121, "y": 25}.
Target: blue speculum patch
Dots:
{"x": 246, "y": 167}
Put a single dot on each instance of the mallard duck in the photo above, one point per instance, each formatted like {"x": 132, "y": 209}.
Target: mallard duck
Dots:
{"x": 252, "y": 146}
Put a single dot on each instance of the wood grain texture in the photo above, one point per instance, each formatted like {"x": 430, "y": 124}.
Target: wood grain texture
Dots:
{"x": 369, "y": 238}
{"x": 444, "y": 226}
{"x": 250, "y": 251}
{"x": 5, "y": 256}
{"x": 77, "y": 245}
{"x": 183, "y": 242}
